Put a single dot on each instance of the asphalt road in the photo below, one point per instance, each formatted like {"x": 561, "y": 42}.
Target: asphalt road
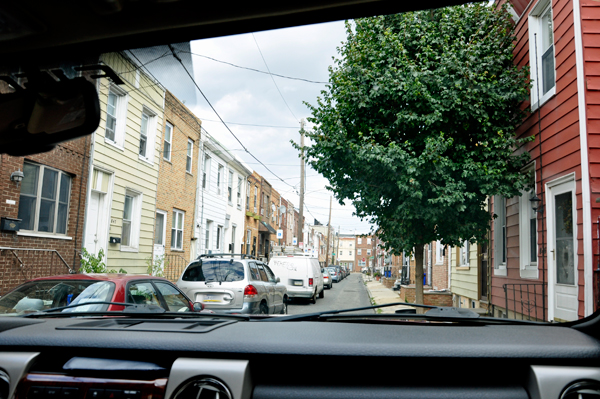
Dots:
{"x": 351, "y": 292}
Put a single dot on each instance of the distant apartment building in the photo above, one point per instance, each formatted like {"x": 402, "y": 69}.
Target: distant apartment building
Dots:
{"x": 347, "y": 251}
{"x": 365, "y": 252}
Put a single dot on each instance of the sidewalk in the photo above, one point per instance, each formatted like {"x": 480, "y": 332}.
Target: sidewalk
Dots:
{"x": 382, "y": 295}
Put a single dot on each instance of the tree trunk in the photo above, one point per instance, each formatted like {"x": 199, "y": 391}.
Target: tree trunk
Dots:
{"x": 419, "y": 275}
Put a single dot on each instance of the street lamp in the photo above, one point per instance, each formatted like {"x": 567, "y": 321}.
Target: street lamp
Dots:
{"x": 536, "y": 204}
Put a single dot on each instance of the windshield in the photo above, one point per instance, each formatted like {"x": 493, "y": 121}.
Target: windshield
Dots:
{"x": 442, "y": 157}
{"x": 100, "y": 291}
{"x": 46, "y": 294}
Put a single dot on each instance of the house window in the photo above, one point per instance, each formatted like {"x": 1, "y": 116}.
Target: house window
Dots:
{"x": 131, "y": 220}
{"x": 44, "y": 199}
{"x": 116, "y": 110}
{"x": 464, "y": 254}
{"x": 341, "y": 253}
{"x": 167, "y": 141}
{"x": 368, "y": 241}
{"x": 541, "y": 34}
{"x": 248, "y": 238}
{"x": 233, "y": 228}
{"x": 359, "y": 241}
{"x": 205, "y": 171}
{"x": 144, "y": 135}
{"x": 177, "y": 229}
{"x": 230, "y": 188}
{"x": 350, "y": 254}
{"x": 239, "y": 192}
{"x": 500, "y": 235}
{"x": 368, "y": 252}
{"x": 439, "y": 253}
{"x": 111, "y": 116}
{"x": 207, "y": 236}
{"x": 219, "y": 179}
{"x": 255, "y": 196}
{"x": 188, "y": 159}
{"x": 359, "y": 251}
{"x": 219, "y": 238}
{"x": 147, "y": 134}
{"x": 528, "y": 229}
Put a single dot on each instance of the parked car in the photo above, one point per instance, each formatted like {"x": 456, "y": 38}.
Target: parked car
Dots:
{"x": 73, "y": 289}
{"x": 327, "y": 280}
{"x": 335, "y": 275}
{"x": 301, "y": 275}
{"x": 341, "y": 272}
{"x": 228, "y": 283}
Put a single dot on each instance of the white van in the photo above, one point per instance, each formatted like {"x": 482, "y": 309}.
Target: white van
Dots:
{"x": 300, "y": 274}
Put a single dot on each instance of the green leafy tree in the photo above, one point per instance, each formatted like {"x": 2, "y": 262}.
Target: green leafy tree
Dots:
{"x": 416, "y": 126}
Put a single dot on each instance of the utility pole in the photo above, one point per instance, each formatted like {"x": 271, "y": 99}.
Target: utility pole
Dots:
{"x": 328, "y": 234}
{"x": 301, "y": 207}
{"x": 337, "y": 251}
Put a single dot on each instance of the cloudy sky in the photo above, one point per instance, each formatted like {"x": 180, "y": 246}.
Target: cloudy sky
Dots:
{"x": 265, "y": 112}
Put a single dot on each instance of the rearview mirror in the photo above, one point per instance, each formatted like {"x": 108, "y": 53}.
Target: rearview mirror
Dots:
{"x": 48, "y": 109}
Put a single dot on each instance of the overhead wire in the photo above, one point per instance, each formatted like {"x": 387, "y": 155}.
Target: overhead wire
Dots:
{"x": 221, "y": 119}
{"x": 272, "y": 78}
{"x": 255, "y": 70}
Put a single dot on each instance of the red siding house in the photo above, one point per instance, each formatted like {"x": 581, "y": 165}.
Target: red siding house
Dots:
{"x": 543, "y": 252}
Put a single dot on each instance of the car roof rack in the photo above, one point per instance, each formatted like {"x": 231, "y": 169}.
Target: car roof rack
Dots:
{"x": 226, "y": 255}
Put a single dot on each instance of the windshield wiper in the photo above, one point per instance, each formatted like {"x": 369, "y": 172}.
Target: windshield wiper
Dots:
{"x": 132, "y": 307}
{"x": 437, "y": 313}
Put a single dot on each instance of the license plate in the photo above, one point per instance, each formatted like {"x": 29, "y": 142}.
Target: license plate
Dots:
{"x": 297, "y": 282}
{"x": 211, "y": 298}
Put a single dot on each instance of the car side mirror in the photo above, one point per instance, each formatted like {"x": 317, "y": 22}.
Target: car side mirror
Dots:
{"x": 277, "y": 280}
{"x": 198, "y": 306}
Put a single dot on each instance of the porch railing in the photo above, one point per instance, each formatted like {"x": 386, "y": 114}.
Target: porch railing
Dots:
{"x": 18, "y": 265}
{"x": 173, "y": 266}
{"x": 527, "y": 300}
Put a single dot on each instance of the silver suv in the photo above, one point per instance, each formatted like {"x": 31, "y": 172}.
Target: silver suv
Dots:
{"x": 231, "y": 283}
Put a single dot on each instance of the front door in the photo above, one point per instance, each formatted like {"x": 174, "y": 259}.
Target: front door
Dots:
{"x": 95, "y": 236}
{"x": 562, "y": 256}
{"x": 160, "y": 231}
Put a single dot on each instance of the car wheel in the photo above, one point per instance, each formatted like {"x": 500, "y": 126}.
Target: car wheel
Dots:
{"x": 313, "y": 300}
{"x": 322, "y": 293}
{"x": 264, "y": 309}
{"x": 285, "y": 305}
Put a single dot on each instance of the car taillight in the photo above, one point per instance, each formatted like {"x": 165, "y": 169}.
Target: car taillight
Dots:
{"x": 250, "y": 290}
{"x": 310, "y": 282}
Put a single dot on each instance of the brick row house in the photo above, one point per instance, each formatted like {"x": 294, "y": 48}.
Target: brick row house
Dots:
{"x": 174, "y": 228}
{"x": 50, "y": 203}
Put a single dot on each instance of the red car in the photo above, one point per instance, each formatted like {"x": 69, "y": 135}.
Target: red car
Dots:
{"x": 59, "y": 291}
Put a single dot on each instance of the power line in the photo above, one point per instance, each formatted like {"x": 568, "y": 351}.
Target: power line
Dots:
{"x": 254, "y": 70}
{"x": 252, "y": 124}
{"x": 219, "y": 116}
{"x": 272, "y": 78}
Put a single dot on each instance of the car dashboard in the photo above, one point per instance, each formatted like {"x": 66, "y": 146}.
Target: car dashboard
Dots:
{"x": 121, "y": 358}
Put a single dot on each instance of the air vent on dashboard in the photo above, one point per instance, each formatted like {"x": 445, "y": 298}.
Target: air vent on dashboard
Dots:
{"x": 588, "y": 389}
{"x": 203, "y": 388}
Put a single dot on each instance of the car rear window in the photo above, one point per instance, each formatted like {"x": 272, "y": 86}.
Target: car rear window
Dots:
{"x": 214, "y": 270}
